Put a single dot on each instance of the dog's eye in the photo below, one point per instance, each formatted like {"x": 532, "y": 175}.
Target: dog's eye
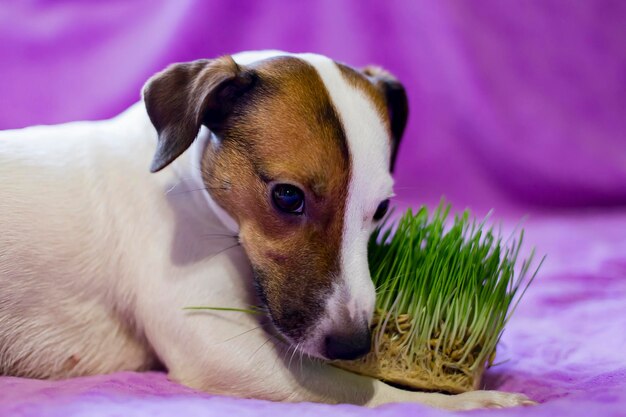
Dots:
{"x": 288, "y": 198}
{"x": 381, "y": 210}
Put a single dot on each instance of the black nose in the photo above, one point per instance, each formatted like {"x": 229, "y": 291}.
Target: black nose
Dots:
{"x": 348, "y": 346}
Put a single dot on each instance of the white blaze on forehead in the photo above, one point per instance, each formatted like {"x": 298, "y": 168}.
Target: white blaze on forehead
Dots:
{"x": 370, "y": 181}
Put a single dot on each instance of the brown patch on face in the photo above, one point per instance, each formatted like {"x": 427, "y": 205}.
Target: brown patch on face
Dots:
{"x": 285, "y": 130}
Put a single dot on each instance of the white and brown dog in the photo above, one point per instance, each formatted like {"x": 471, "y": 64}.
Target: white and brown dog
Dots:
{"x": 270, "y": 172}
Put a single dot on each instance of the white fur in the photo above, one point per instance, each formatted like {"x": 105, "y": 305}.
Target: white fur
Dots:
{"x": 98, "y": 258}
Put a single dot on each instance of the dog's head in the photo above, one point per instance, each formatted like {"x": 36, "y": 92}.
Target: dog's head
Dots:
{"x": 301, "y": 153}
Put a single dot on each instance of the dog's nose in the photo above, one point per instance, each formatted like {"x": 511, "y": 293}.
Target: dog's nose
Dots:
{"x": 348, "y": 346}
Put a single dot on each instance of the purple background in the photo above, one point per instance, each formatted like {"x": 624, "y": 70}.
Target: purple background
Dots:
{"x": 519, "y": 106}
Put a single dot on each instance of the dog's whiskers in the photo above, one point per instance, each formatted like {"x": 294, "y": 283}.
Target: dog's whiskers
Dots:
{"x": 223, "y": 250}
{"x": 220, "y": 234}
{"x": 217, "y": 236}
{"x": 241, "y": 334}
{"x": 170, "y": 191}
{"x": 292, "y": 354}
{"x": 301, "y": 359}
{"x": 260, "y": 347}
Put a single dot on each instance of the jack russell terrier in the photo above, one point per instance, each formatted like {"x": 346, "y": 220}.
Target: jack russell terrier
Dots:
{"x": 270, "y": 172}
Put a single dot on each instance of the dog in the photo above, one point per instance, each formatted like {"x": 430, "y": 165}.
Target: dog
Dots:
{"x": 252, "y": 179}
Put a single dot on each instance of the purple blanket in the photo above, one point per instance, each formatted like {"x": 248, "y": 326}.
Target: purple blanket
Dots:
{"x": 519, "y": 106}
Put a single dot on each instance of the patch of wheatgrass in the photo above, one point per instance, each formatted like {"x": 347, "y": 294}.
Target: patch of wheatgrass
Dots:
{"x": 445, "y": 291}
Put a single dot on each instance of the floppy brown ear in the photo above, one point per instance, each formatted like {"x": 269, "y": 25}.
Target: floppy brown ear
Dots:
{"x": 185, "y": 96}
{"x": 397, "y": 103}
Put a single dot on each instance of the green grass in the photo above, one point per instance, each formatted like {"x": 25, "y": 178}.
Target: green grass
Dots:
{"x": 454, "y": 283}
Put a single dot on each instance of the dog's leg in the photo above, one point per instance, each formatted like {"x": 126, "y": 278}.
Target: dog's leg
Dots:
{"x": 229, "y": 353}
{"x": 253, "y": 366}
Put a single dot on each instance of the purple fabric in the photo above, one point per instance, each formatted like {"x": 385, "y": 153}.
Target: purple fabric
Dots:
{"x": 519, "y": 106}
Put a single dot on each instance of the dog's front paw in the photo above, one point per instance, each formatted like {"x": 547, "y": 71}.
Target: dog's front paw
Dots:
{"x": 486, "y": 399}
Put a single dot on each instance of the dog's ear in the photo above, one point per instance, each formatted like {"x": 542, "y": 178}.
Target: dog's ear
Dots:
{"x": 397, "y": 103}
{"x": 185, "y": 96}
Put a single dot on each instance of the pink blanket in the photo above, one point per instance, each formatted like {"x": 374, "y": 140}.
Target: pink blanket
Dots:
{"x": 518, "y": 106}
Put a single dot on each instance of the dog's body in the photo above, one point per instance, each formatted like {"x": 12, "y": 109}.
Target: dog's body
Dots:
{"x": 99, "y": 257}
